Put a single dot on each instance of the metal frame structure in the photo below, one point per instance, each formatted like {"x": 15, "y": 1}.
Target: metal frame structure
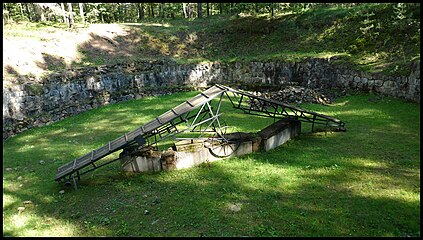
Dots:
{"x": 255, "y": 105}
{"x": 197, "y": 115}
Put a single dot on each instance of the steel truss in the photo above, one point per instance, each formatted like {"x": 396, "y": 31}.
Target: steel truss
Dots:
{"x": 255, "y": 105}
{"x": 197, "y": 115}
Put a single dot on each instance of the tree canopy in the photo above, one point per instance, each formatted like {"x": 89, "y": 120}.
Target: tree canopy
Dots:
{"x": 135, "y": 12}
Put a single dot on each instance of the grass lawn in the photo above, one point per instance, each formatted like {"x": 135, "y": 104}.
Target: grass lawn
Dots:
{"x": 363, "y": 182}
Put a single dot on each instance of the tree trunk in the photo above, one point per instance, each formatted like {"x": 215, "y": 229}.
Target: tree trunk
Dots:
{"x": 190, "y": 10}
{"x": 220, "y": 8}
{"x": 200, "y": 11}
{"x": 33, "y": 10}
{"x": 152, "y": 10}
{"x": 184, "y": 8}
{"x": 21, "y": 8}
{"x": 118, "y": 13}
{"x": 65, "y": 19}
{"x": 272, "y": 9}
{"x": 161, "y": 9}
{"x": 208, "y": 9}
{"x": 140, "y": 11}
{"x": 36, "y": 12}
{"x": 42, "y": 16}
{"x": 124, "y": 16}
{"x": 71, "y": 22}
{"x": 5, "y": 15}
{"x": 81, "y": 12}
{"x": 28, "y": 11}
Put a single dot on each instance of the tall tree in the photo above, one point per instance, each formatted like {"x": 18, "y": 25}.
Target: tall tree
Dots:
{"x": 6, "y": 15}
{"x": 21, "y": 8}
{"x": 28, "y": 11}
{"x": 70, "y": 15}
{"x": 199, "y": 10}
{"x": 184, "y": 9}
{"x": 81, "y": 12}
{"x": 65, "y": 19}
{"x": 42, "y": 12}
{"x": 220, "y": 8}
{"x": 152, "y": 10}
{"x": 172, "y": 9}
{"x": 190, "y": 9}
{"x": 140, "y": 11}
{"x": 161, "y": 10}
{"x": 208, "y": 9}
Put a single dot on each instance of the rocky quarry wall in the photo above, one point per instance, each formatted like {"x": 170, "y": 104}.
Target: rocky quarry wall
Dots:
{"x": 37, "y": 102}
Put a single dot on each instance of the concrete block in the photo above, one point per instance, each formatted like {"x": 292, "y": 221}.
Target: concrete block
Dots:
{"x": 141, "y": 163}
{"x": 190, "y": 159}
{"x": 279, "y": 132}
{"x": 192, "y": 153}
{"x": 277, "y": 140}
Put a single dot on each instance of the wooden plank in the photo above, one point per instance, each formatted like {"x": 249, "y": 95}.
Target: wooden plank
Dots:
{"x": 174, "y": 111}
{"x": 205, "y": 95}
{"x": 187, "y": 101}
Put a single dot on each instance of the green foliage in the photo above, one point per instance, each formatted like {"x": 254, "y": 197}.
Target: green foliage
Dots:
{"x": 130, "y": 12}
{"x": 370, "y": 36}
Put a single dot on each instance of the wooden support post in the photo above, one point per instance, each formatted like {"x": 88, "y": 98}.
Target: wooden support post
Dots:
{"x": 326, "y": 128}
{"x": 74, "y": 183}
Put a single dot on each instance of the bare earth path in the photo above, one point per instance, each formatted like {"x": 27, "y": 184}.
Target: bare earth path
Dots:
{"x": 29, "y": 52}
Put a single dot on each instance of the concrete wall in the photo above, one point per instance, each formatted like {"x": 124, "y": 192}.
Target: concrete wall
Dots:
{"x": 196, "y": 153}
{"x": 28, "y": 103}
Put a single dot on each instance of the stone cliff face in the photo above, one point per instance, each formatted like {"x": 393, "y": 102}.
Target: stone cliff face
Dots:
{"x": 42, "y": 101}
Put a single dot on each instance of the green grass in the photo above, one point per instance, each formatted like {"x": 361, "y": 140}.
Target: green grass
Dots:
{"x": 363, "y": 182}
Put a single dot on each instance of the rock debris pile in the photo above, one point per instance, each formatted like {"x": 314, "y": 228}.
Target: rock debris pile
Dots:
{"x": 299, "y": 94}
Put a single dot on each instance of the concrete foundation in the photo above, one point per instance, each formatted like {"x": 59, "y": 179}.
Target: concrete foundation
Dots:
{"x": 148, "y": 160}
{"x": 190, "y": 153}
{"x": 278, "y": 133}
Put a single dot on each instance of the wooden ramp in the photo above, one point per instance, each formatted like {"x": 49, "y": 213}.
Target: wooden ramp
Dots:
{"x": 131, "y": 138}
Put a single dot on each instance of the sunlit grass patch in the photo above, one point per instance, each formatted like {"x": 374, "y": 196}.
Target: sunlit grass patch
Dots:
{"x": 362, "y": 182}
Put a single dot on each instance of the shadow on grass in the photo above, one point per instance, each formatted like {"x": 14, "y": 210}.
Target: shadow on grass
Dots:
{"x": 196, "y": 203}
{"x": 312, "y": 187}
{"x": 317, "y": 185}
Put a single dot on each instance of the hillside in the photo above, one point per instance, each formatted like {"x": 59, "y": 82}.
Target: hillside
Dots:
{"x": 372, "y": 37}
